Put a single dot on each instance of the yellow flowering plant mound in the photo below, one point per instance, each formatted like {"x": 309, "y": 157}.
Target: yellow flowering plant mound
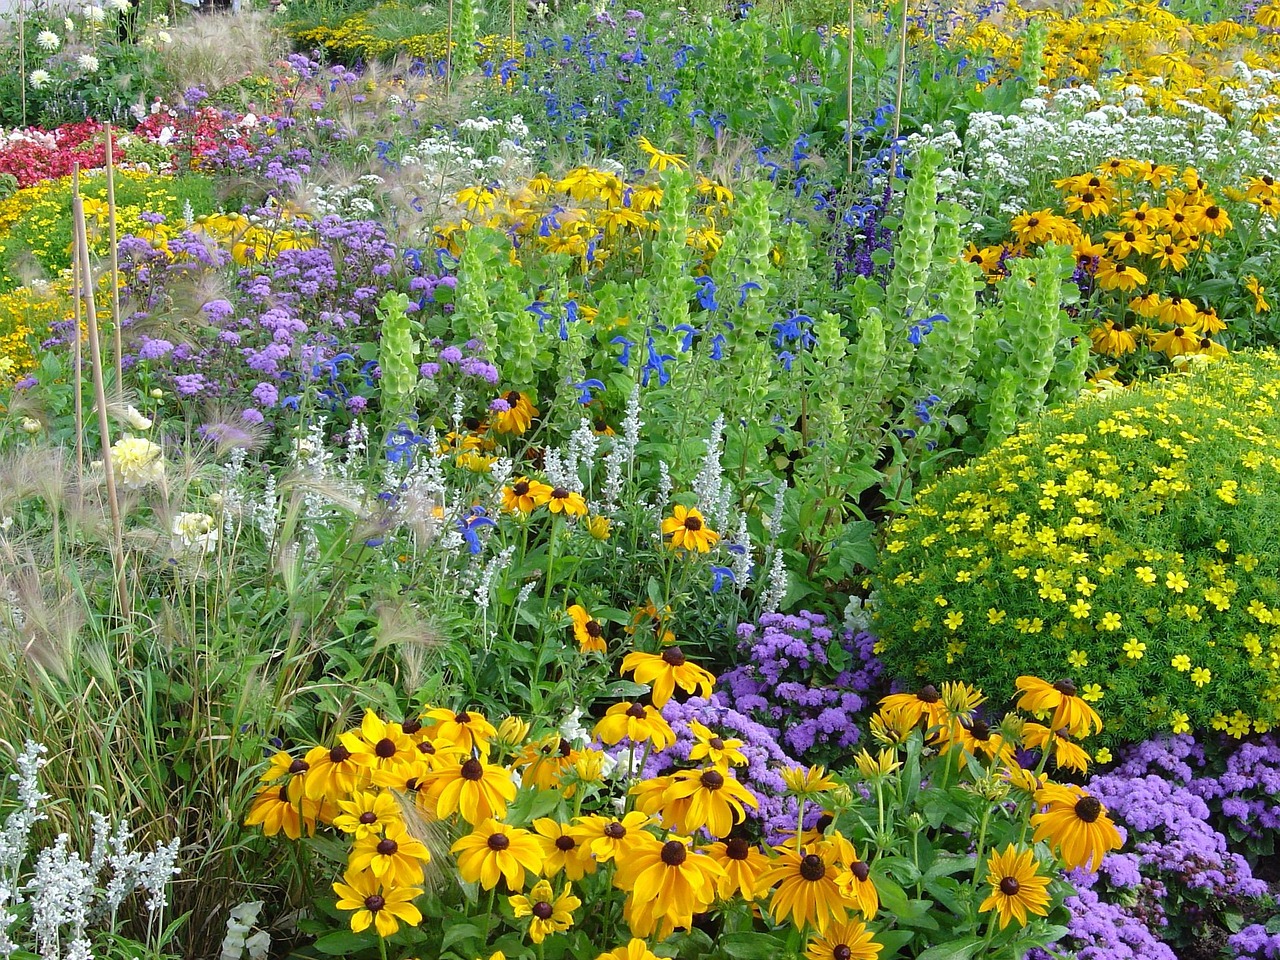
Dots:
{"x": 502, "y": 837}
{"x": 1152, "y": 247}
{"x": 35, "y": 223}
{"x": 1128, "y": 540}
{"x": 1171, "y": 59}
{"x": 380, "y": 33}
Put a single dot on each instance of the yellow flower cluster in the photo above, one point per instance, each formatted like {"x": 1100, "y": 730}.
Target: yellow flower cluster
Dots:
{"x": 1139, "y": 230}
{"x": 1171, "y": 59}
{"x": 589, "y": 214}
{"x": 1126, "y": 534}
{"x": 358, "y": 36}
{"x": 250, "y": 241}
{"x": 37, "y": 219}
{"x": 24, "y": 311}
{"x": 381, "y": 783}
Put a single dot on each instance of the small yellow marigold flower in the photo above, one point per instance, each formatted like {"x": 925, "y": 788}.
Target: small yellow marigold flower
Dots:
{"x": 1134, "y": 648}
{"x": 1078, "y": 658}
{"x": 1179, "y": 722}
{"x": 953, "y": 620}
{"x": 995, "y": 616}
{"x": 1181, "y": 663}
{"x": 1103, "y": 755}
{"x": 1201, "y": 676}
{"x": 1175, "y": 581}
{"x": 1092, "y": 692}
{"x": 1110, "y": 621}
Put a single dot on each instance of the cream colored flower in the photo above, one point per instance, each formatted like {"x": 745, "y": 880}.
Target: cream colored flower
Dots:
{"x": 137, "y": 461}
{"x": 135, "y": 419}
{"x": 197, "y": 531}
{"x": 48, "y": 40}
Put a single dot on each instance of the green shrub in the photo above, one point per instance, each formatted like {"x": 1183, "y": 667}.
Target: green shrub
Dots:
{"x": 1129, "y": 542}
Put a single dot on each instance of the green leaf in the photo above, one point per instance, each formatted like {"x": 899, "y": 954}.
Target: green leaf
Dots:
{"x": 956, "y": 950}
{"x": 457, "y": 932}
{"x": 750, "y": 946}
{"x": 340, "y": 943}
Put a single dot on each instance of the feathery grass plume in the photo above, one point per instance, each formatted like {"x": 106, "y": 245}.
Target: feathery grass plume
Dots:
{"x": 400, "y": 623}
{"x": 41, "y": 629}
{"x": 218, "y": 49}
{"x": 31, "y": 470}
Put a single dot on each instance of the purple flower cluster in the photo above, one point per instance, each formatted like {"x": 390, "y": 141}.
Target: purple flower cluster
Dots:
{"x": 281, "y": 327}
{"x": 765, "y": 759}
{"x": 800, "y": 679}
{"x": 1104, "y": 930}
{"x": 1255, "y": 942}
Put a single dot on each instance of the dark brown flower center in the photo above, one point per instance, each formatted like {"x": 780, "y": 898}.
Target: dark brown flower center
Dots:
{"x": 636, "y": 711}
{"x": 542, "y": 910}
{"x": 426, "y": 746}
{"x": 565, "y": 844}
{"x": 463, "y": 717}
{"x": 1177, "y": 332}
{"x": 841, "y": 951}
{"x": 674, "y": 853}
{"x": 929, "y": 694}
{"x": 812, "y": 867}
{"x": 512, "y": 398}
{"x": 1033, "y": 222}
{"x": 1204, "y": 343}
{"x": 861, "y": 870}
{"x": 559, "y": 493}
{"x": 1088, "y": 197}
{"x": 715, "y": 743}
{"x": 374, "y": 903}
{"x": 1065, "y": 687}
{"x": 594, "y": 630}
{"x": 498, "y": 842}
{"x": 283, "y": 795}
{"x": 299, "y": 766}
{"x": 471, "y": 423}
{"x": 1130, "y": 236}
{"x": 1213, "y": 213}
{"x": 614, "y": 830}
{"x": 1009, "y": 886}
{"x": 692, "y": 523}
{"x": 713, "y": 779}
{"x": 411, "y": 726}
{"x": 388, "y": 847}
{"x": 737, "y": 849}
{"x": 521, "y": 488}
{"x": 673, "y": 657}
{"x": 368, "y": 817}
{"x": 339, "y": 754}
{"x": 980, "y": 731}
{"x": 1088, "y": 809}
{"x": 472, "y": 769}
{"x": 385, "y": 748}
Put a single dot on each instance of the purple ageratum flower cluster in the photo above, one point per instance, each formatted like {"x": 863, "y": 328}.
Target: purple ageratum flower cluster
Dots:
{"x": 1255, "y": 942}
{"x": 282, "y": 325}
{"x": 803, "y": 682}
{"x": 1156, "y": 794}
{"x": 1103, "y": 930}
{"x": 766, "y": 758}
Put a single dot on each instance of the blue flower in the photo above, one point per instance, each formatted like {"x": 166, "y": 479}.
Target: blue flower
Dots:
{"x": 331, "y": 366}
{"x": 793, "y": 327}
{"x": 539, "y": 307}
{"x": 717, "y": 347}
{"x": 469, "y": 527}
{"x": 742, "y": 291}
{"x": 721, "y": 574}
{"x": 707, "y": 293}
{"x": 786, "y": 358}
{"x": 625, "y": 358}
{"x": 656, "y": 364}
{"x": 689, "y": 333}
{"x": 920, "y": 330}
{"x": 586, "y": 386}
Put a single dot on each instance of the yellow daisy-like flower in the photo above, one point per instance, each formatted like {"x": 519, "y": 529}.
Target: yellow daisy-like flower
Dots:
{"x": 609, "y": 838}
{"x": 807, "y": 781}
{"x": 367, "y": 814}
{"x": 468, "y": 729}
{"x": 688, "y": 530}
{"x": 806, "y": 890}
{"x": 743, "y": 865}
{"x": 587, "y": 630}
{"x": 1016, "y": 888}
{"x": 636, "y": 722}
{"x": 667, "y": 883}
{"x": 709, "y": 798}
{"x": 1179, "y": 722}
{"x": 1069, "y": 710}
{"x": 525, "y": 495}
{"x": 334, "y": 772}
{"x": 471, "y": 787}
{"x": 857, "y": 887}
{"x": 637, "y": 949}
{"x": 551, "y": 912}
{"x": 925, "y": 704}
{"x": 1260, "y": 304}
{"x": 1181, "y": 663}
{"x": 395, "y": 857}
{"x": 515, "y": 413}
{"x": 1076, "y": 826}
{"x": 708, "y": 745}
{"x": 376, "y": 903}
{"x": 495, "y": 851}
{"x": 665, "y": 672}
{"x": 849, "y": 940}
{"x": 1066, "y": 752}
{"x": 384, "y": 746}
{"x": 659, "y": 159}
{"x": 568, "y": 502}
{"x": 561, "y": 850}
{"x": 1201, "y": 676}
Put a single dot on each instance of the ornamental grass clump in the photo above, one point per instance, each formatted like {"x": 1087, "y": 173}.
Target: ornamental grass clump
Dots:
{"x": 1126, "y": 542}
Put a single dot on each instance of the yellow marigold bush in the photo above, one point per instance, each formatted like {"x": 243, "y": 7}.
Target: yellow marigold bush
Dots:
{"x": 1127, "y": 542}
{"x": 361, "y": 36}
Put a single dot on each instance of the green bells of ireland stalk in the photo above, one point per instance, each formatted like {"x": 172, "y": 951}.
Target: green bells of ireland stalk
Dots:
{"x": 397, "y": 357}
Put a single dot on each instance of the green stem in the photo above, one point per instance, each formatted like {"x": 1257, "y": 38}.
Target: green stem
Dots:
{"x": 800, "y": 828}
{"x": 488, "y": 916}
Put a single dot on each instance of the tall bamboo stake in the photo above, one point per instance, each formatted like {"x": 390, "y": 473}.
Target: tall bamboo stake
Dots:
{"x": 100, "y": 400}
{"x": 22, "y": 57}
{"x": 77, "y": 361}
{"x": 902, "y": 74}
{"x": 849, "y": 91}
{"x": 115, "y": 259}
{"x": 448, "y": 53}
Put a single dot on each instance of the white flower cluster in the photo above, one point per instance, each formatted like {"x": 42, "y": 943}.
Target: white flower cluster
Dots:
{"x": 65, "y": 896}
